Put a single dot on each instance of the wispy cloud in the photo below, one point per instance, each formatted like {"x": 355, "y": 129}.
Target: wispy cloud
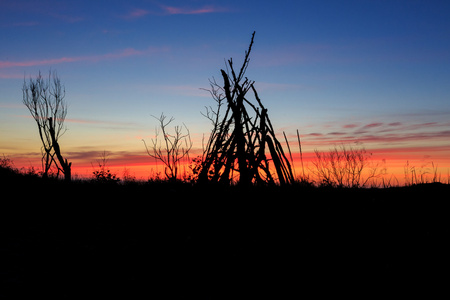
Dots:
{"x": 11, "y": 76}
{"x": 70, "y": 59}
{"x": 172, "y": 10}
{"x": 21, "y": 24}
{"x": 67, "y": 18}
{"x": 377, "y": 134}
{"x": 350, "y": 126}
{"x": 112, "y": 125}
{"x": 100, "y": 122}
{"x": 373, "y": 125}
{"x": 184, "y": 90}
{"x": 265, "y": 86}
{"x": 30, "y": 63}
{"x": 120, "y": 158}
{"x": 136, "y": 14}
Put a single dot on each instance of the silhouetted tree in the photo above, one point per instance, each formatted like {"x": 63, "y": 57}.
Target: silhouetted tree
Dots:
{"x": 239, "y": 139}
{"x": 44, "y": 98}
{"x": 172, "y": 148}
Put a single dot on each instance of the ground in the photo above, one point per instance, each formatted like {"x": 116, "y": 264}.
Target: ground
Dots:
{"x": 72, "y": 240}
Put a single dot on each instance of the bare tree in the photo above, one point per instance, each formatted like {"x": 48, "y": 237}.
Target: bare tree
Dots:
{"x": 44, "y": 98}
{"x": 172, "y": 148}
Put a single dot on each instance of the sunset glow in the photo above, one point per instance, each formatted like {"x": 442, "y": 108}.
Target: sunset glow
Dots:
{"x": 366, "y": 74}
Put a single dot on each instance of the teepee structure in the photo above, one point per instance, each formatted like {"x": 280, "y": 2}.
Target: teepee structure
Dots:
{"x": 242, "y": 145}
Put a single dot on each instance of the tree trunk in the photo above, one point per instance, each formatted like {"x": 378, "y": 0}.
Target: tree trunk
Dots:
{"x": 65, "y": 165}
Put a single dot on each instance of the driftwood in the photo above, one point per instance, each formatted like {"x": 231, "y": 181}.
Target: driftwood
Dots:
{"x": 241, "y": 137}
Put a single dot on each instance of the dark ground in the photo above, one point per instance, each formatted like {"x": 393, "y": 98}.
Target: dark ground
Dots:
{"x": 84, "y": 240}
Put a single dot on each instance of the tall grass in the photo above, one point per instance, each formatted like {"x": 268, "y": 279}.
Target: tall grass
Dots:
{"x": 426, "y": 173}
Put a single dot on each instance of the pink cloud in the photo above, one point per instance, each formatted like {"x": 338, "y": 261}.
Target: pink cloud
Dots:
{"x": 93, "y": 58}
{"x": 315, "y": 134}
{"x": 171, "y": 10}
{"x": 11, "y": 76}
{"x": 9, "y": 64}
{"x": 86, "y": 121}
{"x": 350, "y": 126}
{"x": 378, "y": 134}
{"x": 373, "y": 125}
{"x": 21, "y": 24}
{"x": 136, "y": 14}
{"x": 400, "y": 137}
{"x": 124, "y": 53}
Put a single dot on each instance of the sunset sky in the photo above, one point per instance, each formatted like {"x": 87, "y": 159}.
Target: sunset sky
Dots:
{"x": 373, "y": 72}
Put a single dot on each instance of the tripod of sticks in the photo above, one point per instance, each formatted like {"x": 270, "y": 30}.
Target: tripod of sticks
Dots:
{"x": 240, "y": 139}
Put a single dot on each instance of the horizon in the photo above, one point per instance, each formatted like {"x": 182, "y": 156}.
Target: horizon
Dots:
{"x": 367, "y": 73}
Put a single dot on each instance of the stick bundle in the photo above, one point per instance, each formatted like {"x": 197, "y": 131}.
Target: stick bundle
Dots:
{"x": 240, "y": 137}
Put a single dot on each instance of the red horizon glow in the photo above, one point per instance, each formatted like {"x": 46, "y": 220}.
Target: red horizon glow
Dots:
{"x": 398, "y": 147}
{"x": 398, "y": 163}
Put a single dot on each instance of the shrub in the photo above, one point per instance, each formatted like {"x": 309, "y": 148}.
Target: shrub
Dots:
{"x": 104, "y": 175}
{"x": 345, "y": 166}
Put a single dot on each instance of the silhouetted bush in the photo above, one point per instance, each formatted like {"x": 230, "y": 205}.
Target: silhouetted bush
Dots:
{"x": 345, "y": 166}
{"x": 103, "y": 174}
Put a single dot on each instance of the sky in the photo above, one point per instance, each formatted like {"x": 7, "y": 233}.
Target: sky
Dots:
{"x": 371, "y": 73}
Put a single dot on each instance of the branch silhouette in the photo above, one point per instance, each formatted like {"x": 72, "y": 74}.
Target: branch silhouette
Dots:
{"x": 240, "y": 137}
{"x": 44, "y": 98}
{"x": 172, "y": 148}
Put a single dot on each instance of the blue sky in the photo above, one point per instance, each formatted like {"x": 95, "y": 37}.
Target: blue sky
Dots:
{"x": 339, "y": 71}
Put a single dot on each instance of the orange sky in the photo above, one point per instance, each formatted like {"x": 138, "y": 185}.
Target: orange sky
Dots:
{"x": 396, "y": 161}
{"x": 422, "y": 145}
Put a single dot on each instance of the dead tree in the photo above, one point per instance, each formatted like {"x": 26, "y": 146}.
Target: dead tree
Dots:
{"x": 242, "y": 137}
{"x": 45, "y": 101}
{"x": 171, "y": 149}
